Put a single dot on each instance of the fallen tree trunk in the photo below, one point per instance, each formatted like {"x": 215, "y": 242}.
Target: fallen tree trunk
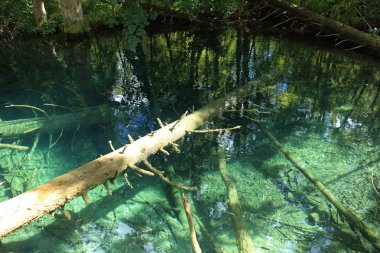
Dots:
{"x": 350, "y": 217}
{"x": 363, "y": 39}
{"x": 244, "y": 242}
{"x": 85, "y": 117}
{"x": 31, "y": 205}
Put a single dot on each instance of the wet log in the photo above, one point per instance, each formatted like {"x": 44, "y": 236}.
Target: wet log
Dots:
{"x": 85, "y": 117}
{"x": 354, "y": 220}
{"x": 371, "y": 41}
{"x": 33, "y": 204}
{"x": 244, "y": 242}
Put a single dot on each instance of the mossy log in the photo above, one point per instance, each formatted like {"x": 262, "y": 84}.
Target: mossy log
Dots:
{"x": 370, "y": 41}
{"x": 85, "y": 117}
{"x": 244, "y": 242}
{"x": 354, "y": 220}
{"x": 33, "y": 204}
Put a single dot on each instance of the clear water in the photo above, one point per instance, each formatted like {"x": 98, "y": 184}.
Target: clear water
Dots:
{"x": 322, "y": 105}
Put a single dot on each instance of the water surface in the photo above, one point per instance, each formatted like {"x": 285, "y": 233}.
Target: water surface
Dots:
{"x": 321, "y": 104}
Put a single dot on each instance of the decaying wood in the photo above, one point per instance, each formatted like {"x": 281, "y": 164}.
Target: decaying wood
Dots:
{"x": 244, "y": 242}
{"x": 31, "y": 205}
{"x": 371, "y": 41}
{"x": 193, "y": 234}
{"x": 85, "y": 117}
{"x": 350, "y": 217}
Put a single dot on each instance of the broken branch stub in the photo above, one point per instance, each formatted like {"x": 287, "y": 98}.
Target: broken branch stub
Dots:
{"x": 33, "y": 204}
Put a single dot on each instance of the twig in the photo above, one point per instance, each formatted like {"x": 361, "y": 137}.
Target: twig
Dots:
{"x": 340, "y": 42}
{"x": 56, "y": 141}
{"x": 124, "y": 148}
{"x": 160, "y": 123}
{"x": 357, "y": 10}
{"x": 130, "y": 139}
{"x": 270, "y": 14}
{"x": 166, "y": 180}
{"x": 125, "y": 175}
{"x": 60, "y": 106}
{"x": 35, "y": 143}
{"x": 254, "y": 120}
{"x": 31, "y": 107}
{"x": 357, "y": 47}
{"x": 247, "y": 110}
{"x": 13, "y": 146}
{"x": 175, "y": 147}
{"x": 164, "y": 151}
{"x": 213, "y": 130}
{"x": 176, "y": 123}
{"x": 107, "y": 188}
{"x": 142, "y": 171}
{"x": 111, "y": 146}
{"x": 86, "y": 198}
{"x": 327, "y": 35}
{"x": 283, "y": 22}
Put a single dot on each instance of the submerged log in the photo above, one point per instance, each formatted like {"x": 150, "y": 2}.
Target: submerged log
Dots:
{"x": 354, "y": 220}
{"x": 244, "y": 242}
{"x": 371, "y": 41}
{"x": 193, "y": 235}
{"x": 33, "y": 204}
{"x": 85, "y": 117}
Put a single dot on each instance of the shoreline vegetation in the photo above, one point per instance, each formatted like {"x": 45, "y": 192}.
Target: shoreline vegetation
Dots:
{"x": 348, "y": 25}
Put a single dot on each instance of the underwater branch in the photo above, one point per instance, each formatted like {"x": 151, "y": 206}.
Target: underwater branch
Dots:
{"x": 354, "y": 220}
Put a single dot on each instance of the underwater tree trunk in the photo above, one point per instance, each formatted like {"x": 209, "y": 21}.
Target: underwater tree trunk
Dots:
{"x": 350, "y": 217}
{"x": 73, "y": 17}
{"x": 33, "y": 204}
{"x": 369, "y": 40}
{"x": 85, "y": 117}
{"x": 39, "y": 12}
{"x": 193, "y": 235}
{"x": 244, "y": 242}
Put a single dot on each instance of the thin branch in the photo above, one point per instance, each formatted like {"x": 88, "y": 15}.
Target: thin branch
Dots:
{"x": 142, "y": 171}
{"x": 111, "y": 146}
{"x": 125, "y": 175}
{"x": 166, "y": 180}
{"x": 56, "y": 141}
{"x": 164, "y": 151}
{"x": 213, "y": 130}
{"x": 270, "y": 14}
{"x": 283, "y": 22}
{"x": 12, "y": 146}
{"x": 31, "y": 107}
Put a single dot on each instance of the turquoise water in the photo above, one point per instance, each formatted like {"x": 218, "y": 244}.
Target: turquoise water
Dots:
{"x": 321, "y": 104}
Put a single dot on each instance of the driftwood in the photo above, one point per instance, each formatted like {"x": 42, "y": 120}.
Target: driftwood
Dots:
{"x": 244, "y": 242}
{"x": 371, "y": 41}
{"x": 50, "y": 124}
{"x": 350, "y": 217}
{"x": 33, "y": 204}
